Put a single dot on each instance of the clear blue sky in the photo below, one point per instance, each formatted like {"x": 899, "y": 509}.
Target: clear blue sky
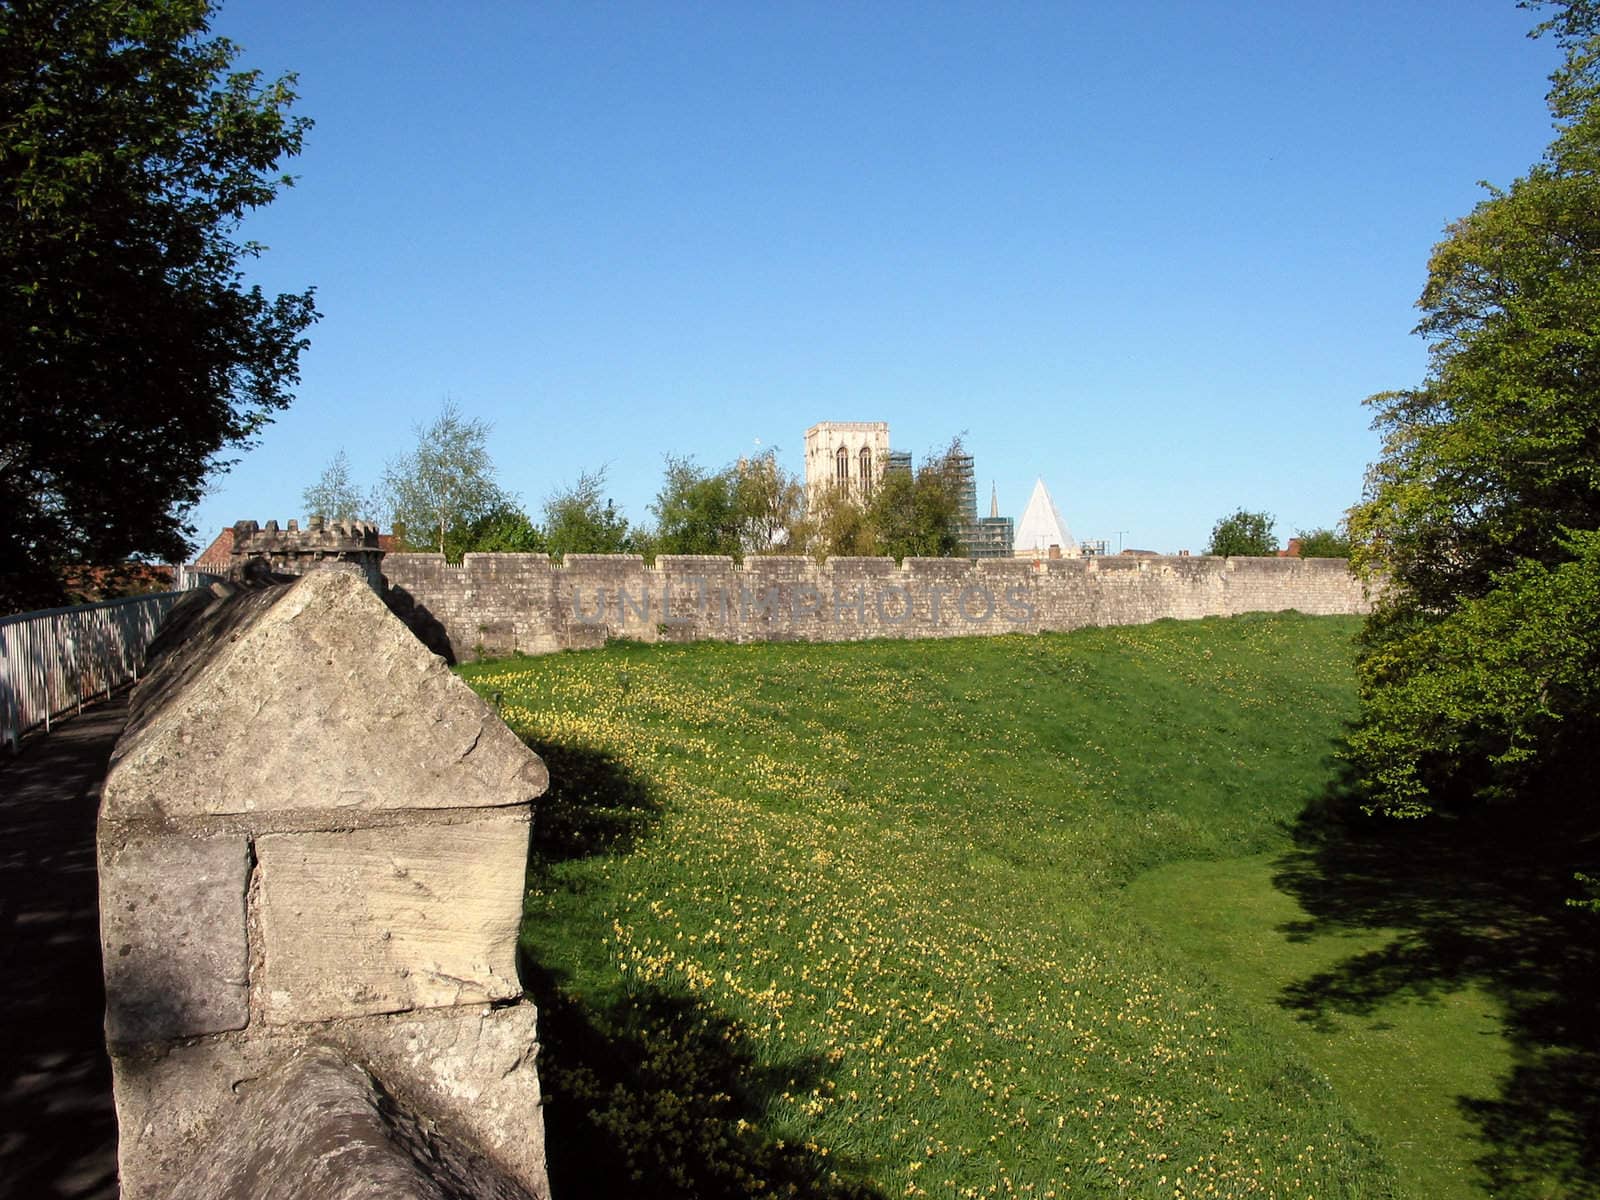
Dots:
{"x": 1155, "y": 253}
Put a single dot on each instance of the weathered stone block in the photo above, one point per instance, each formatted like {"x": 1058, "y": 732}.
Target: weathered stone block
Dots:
{"x": 281, "y": 864}
{"x": 168, "y": 1096}
{"x": 320, "y": 1126}
{"x": 471, "y": 1070}
{"x": 172, "y": 936}
{"x": 384, "y": 920}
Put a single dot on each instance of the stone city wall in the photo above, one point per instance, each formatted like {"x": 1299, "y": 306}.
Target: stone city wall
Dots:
{"x": 312, "y": 847}
{"x": 499, "y": 603}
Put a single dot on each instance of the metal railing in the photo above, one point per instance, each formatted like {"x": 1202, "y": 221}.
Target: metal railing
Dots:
{"x": 186, "y": 576}
{"x": 57, "y": 660}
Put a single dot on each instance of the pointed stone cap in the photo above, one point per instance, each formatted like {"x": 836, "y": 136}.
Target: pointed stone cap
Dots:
{"x": 308, "y": 696}
{"x": 1042, "y": 527}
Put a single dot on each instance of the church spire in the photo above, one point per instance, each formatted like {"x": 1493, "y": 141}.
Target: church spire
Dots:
{"x": 994, "y": 500}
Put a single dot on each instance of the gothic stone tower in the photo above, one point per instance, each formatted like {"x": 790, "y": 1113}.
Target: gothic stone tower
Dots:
{"x": 850, "y": 455}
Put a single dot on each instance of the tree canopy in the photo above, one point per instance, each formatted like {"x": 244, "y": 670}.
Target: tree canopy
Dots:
{"x": 769, "y": 505}
{"x": 134, "y": 355}
{"x": 919, "y": 515}
{"x": 751, "y": 507}
{"x": 581, "y": 519}
{"x": 1323, "y": 543}
{"x": 1480, "y": 669}
{"x": 1243, "y": 533}
{"x": 916, "y": 514}
{"x": 445, "y": 483}
{"x": 336, "y": 496}
{"x": 696, "y": 510}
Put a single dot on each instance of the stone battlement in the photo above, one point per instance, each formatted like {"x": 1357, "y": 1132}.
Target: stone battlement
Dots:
{"x": 294, "y": 551}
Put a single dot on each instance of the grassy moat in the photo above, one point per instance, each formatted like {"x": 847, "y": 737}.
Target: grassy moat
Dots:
{"x": 1025, "y": 915}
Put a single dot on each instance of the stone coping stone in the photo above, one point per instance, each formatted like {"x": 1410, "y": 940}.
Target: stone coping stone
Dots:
{"x": 309, "y": 695}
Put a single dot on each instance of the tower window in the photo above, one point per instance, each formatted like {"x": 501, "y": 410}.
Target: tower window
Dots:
{"x": 866, "y": 472}
{"x": 842, "y": 467}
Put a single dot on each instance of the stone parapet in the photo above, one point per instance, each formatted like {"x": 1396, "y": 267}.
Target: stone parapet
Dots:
{"x": 502, "y": 603}
{"x": 313, "y": 840}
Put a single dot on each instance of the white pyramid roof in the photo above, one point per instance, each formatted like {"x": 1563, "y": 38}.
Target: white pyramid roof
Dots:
{"x": 1042, "y": 527}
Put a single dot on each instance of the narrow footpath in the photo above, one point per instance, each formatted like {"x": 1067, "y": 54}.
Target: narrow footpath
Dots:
{"x": 58, "y": 1132}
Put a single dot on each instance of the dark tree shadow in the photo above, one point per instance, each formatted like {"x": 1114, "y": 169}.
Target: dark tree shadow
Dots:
{"x": 1477, "y": 899}
{"x": 595, "y": 804}
{"x": 58, "y": 1128}
{"x": 652, "y": 1093}
{"x": 659, "y": 1095}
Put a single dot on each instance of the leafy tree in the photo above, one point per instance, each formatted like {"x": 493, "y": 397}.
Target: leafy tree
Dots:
{"x": 133, "y": 355}
{"x": 506, "y": 530}
{"x": 1243, "y": 533}
{"x": 838, "y": 526}
{"x": 696, "y": 511}
{"x": 1479, "y": 670}
{"x": 581, "y": 520}
{"x": 919, "y": 514}
{"x": 910, "y": 513}
{"x": 769, "y": 504}
{"x": 1495, "y": 700}
{"x": 1324, "y": 543}
{"x": 335, "y": 496}
{"x": 445, "y": 483}
{"x": 751, "y": 507}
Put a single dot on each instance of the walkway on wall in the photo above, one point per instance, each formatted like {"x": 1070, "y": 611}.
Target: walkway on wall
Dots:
{"x": 58, "y": 1131}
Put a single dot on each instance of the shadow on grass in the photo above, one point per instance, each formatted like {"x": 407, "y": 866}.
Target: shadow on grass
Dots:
{"x": 1477, "y": 900}
{"x": 650, "y": 1092}
{"x": 658, "y": 1095}
{"x": 595, "y": 805}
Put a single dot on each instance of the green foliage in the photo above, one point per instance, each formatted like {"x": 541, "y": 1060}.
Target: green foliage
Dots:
{"x": 1495, "y": 700}
{"x": 837, "y": 526}
{"x": 1480, "y": 515}
{"x": 581, "y": 520}
{"x": 1243, "y": 533}
{"x": 768, "y": 503}
{"x": 446, "y": 483}
{"x": 1324, "y": 543}
{"x": 504, "y": 530}
{"x": 751, "y": 507}
{"x": 696, "y": 511}
{"x": 132, "y": 355}
{"x": 919, "y": 515}
{"x": 335, "y": 496}
{"x": 1591, "y": 901}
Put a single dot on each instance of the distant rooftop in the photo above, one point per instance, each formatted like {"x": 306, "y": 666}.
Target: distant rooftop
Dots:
{"x": 1042, "y": 527}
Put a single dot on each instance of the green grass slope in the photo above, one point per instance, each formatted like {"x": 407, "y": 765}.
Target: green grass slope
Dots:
{"x": 850, "y": 920}
{"x": 1403, "y": 1065}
